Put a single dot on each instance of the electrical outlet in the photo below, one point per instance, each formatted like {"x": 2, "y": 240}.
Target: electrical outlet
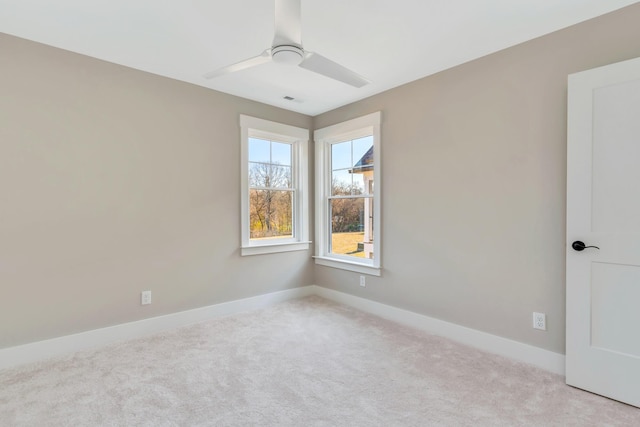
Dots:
{"x": 363, "y": 281}
{"x": 540, "y": 321}
{"x": 145, "y": 298}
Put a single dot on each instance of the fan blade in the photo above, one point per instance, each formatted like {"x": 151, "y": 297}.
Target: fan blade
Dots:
{"x": 242, "y": 65}
{"x": 321, "y": 65}
{"x": 287, "y": 23}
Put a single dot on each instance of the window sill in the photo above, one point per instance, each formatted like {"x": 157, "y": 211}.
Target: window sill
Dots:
{"x": 274, "y": 248}
{"x": 347, "y": 265}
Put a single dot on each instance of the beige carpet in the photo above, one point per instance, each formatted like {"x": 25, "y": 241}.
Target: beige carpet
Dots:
{"x": 308, "y": 362}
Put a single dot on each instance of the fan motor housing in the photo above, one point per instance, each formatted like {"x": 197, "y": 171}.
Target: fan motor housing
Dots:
{"x": 289, "y": 55}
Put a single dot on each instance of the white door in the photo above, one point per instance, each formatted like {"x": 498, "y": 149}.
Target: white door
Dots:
{"x": 603, "y": 209}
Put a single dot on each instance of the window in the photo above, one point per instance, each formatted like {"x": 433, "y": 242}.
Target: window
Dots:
{"x": 348, "y": 195}
{"x": 274, "y": 187}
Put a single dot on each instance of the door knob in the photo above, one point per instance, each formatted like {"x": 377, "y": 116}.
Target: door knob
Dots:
{"x": 580, "y": 246}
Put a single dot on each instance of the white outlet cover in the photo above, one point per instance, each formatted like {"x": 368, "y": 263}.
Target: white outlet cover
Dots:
{"x": 145, "y": 298}
{"x": 540, "y": 321}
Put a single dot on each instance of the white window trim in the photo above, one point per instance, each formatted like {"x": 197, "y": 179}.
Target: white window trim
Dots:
{"x": 352, "y": 129}
{"x": 299, "y": 138}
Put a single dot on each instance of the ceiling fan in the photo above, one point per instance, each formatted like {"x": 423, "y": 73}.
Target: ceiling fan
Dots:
{"x": 287, "y": 49}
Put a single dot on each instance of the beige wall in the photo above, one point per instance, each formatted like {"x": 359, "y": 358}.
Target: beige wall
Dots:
{"x": 474, "y": 183}
{"x": 114, "y": 181}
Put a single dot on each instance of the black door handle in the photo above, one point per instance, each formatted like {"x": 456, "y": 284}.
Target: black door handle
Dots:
{"x": 580, "y": 246}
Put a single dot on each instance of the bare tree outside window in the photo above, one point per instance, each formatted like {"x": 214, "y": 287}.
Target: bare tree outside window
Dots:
{"x": 346, "y": 213}
{"x": 271, "y": 194}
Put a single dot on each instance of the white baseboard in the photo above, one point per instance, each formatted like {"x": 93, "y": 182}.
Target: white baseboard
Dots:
{"x": 40, "y": 350}
{"x": 33, "y": 352}
{"x": 545, "y": 359}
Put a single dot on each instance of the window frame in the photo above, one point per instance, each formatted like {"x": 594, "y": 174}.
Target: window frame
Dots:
{"x": 324, "y": 138}
{"x": 253, "y": 127}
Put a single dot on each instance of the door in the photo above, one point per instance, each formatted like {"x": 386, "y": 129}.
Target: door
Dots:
{"x": 603, "y": 210}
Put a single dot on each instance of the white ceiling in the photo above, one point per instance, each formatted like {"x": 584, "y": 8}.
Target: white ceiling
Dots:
{"x": 391, "y": 42}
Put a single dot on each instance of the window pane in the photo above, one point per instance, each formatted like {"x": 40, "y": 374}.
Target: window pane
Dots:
{"x": 352, "y": 227}
{"x": 341, "y": 183}
{"x": 281, "y": 153}
{"x": 280, "y": 176}
{"x": 267, "y": 175}
{"x": 358, "y": 184}
{"x": 363, "y": 166}
{"x": 271, "y": 214}
{"x": 363, "y": 151}
{"x": 341, "y": 155}
{"x": 259, "y": 150}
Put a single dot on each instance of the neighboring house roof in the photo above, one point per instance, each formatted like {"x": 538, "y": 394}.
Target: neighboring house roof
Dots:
{"x": 365, "y": 163}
